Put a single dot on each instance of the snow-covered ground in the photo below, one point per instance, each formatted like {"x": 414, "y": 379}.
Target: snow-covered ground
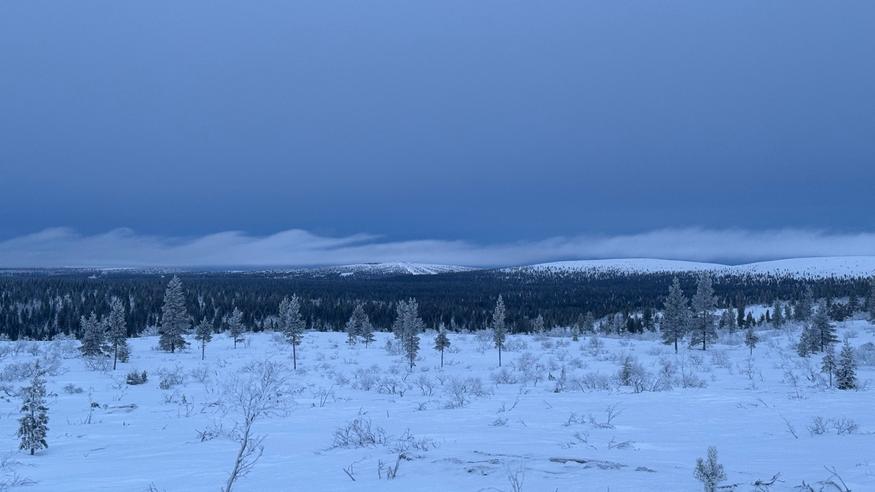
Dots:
{"x": 469, "y": 426}
{"x": 816, "y": 267}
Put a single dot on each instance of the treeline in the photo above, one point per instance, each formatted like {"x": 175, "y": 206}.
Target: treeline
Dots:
{"x": 40, "y": 306}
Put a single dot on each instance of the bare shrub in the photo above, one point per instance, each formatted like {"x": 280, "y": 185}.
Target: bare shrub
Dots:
{"x": 359, "y": 433}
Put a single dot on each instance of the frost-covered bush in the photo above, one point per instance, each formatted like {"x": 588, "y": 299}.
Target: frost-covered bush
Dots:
{"x": 591, "y": 381}
{"x": 709, "y": 471}
{"x": 366, "y": 379}
{"x": 169, "y": 378}
{"x": 460, "y": 391}
{"x": 840, "y": 426}
{"x": 359, "y": 433}
{"x": 135, "y": 378}
{"x": 391, "y": 386}
{"x": 72, "y": 389}
{"x": 504, "y": 376}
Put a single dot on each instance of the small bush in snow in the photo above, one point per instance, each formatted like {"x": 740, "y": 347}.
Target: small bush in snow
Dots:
{"x": 359, "y": 433}
{"x": 72, "y": 389}
{"x": 709, "y": 471}
{"x": 135, "y": 378}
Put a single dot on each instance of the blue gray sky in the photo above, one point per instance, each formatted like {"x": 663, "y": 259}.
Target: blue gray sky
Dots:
{"x": 492, "y": 124}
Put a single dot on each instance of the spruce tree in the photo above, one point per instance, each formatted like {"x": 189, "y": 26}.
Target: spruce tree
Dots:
{"x": 236, "y": 328}
{"x": 118, "y": 332}
{"x": 703, "y": 305}
{"x": 499, "y": 329}
{"x": 204, "y": 334}
{"x": 778, "y": 315}
{"x": 33, "y": 424}
{"x": 407, "y": 327}
{"x": 292, "y": 325}
{"x": 175, "y": 321}
{"x": 441, "y": 342}
{"x": 824, "y": 333}
{"x": 538, "y": 324}
{"x": 804, "y": 305}
{"x": 356, "y": 325}
{"x": 676, "y": 316}
{"x": 871, "y": 301}
{"x": 93, "y": 336}
{"x": 829, "y": 363}
{"x": 846, "y": 373}
{"x": 751, "y": 339}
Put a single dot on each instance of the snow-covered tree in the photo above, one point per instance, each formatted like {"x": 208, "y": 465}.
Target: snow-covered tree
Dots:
{"x": 728, "y": 321}
{"x": 805, "y": 305}
{"x": 407, "y": 327}
{"x": 710, "y": 472}
{"x": 829, "y": 364}
{"x": 175, "y": 321}
{"x": 703, "y": 305}
{"x": 778, "y": 315}
{"x": 538, "y": 324}
{"x": 204, "y": 334}
{"x": 824, "y": 332}
{"x": 870, "y": 303}
{"x": 34, "y": 422}
{"x": 499, "y": 329}
{"x": 441, "y": 341}
{"x": 751, "y": 339}
{"x": 236, "y": 328}
{"x": 846, "y": 373}
{"x": 93, "y": 336}
{"x": 358, "y": 325}
{"x": 675, "y": 317}
{"x": 117, "y": 329}
{"x": 292, "y": 324}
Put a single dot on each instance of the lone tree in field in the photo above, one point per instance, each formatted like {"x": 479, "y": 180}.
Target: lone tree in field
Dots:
{"x": 751, "y": 339}
{"x": 704, "y": 303}
{"x": 499, "y": 329}
{"x": 118, "y": 332}
{"x": 203, "y": 333}
{"x": 676, "y": 316}
{"x": 538, "y": 325}
{"x": 358, "y": 326}
{"x": 236, "y": 328}
{"x": 829, "y": 365}
{"x": 93, "y": 336}
{"x": 824, "y": 332}
{"x": 441, "y": 342}
{"x": 175, "y": 321}
{"x": 407, "y": 327}
{"x": 292, "y": 325}
{"x": 846, "y": 373}
{"x": 778, "y": 315}
{"x": 710, "y": 472}
{"x": 34, "y": 422}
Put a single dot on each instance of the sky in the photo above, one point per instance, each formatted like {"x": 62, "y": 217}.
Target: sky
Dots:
{"x": 497, "y": 125}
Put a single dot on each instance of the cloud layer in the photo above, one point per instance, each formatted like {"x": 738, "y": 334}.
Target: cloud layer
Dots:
{"x": 62, "y": 247}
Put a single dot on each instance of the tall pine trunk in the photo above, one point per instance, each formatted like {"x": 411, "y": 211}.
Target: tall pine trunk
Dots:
{"x": 294, "y": 357}
{"x": 442, "y": 358}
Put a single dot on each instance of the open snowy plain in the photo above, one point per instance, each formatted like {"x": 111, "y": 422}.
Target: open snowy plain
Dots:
{"x": 556, "y": 417}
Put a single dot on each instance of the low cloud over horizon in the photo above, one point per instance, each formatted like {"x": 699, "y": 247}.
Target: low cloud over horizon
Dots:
{"x": 64, "y": 247}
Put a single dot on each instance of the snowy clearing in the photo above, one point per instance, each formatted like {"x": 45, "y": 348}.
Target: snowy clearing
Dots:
{"x": 556, "y": 417}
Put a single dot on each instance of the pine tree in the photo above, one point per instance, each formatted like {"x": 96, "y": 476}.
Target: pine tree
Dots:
{"x": 499, "y": 330}
{"x": 703, "y": 306}
{"x": 538, "y": 324}
{"x": 804, "y": 305}
{"x": 33, "y": 424}
{"x": 236, "y": 328}
{"x": 871, "y": 302}
{"x": 829, "y": 364}
{"x": 366, "y": 331}
{"x": 358, "y": 323}
{"x": 118, "y": 331}
{"x": 292, "y": 325}
{"x": 741, "y": 314}
{"x": 441, "y": 342}
{"x": 846, "y": 373}
{"x": 204, "y": 334}
{"x": 710, "y": 472}
{"x": 676, "y": 316}
{"x": 728, "y": 321}
{"x": 824, "y": 332}
{"x": 407, "y": 327}
{"x": 777, "y": 315}
{"x": 175, "y": 321}
{"x": 93, "y": 336}
{"x": 751, "y": 339}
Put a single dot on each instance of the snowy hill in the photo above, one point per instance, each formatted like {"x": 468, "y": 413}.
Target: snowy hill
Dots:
{"x": 393, "y": 268}
{"x": 816, "y": 267}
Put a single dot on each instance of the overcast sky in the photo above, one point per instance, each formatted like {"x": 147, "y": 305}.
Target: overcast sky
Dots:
{"x": 488, "y": 123}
